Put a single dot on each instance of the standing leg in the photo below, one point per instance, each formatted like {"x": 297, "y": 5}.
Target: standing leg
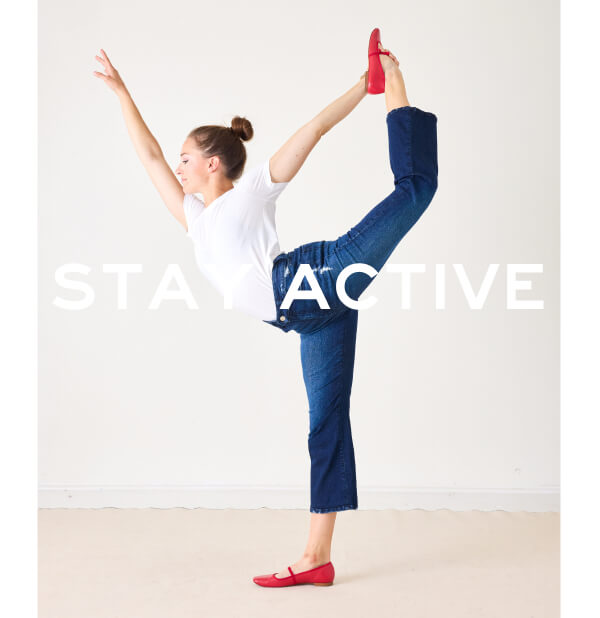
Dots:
{"x": 318, "y": 546}
{"x": 327, "y": 357}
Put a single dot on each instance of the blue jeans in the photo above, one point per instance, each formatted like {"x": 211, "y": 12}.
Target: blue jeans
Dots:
{"x": 328, "y": 336}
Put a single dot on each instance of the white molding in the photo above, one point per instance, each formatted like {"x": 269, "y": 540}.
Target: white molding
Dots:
{"x": 274, "y": 497}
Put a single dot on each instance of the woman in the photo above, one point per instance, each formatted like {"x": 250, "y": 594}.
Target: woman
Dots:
{"x": 235, "y": 225}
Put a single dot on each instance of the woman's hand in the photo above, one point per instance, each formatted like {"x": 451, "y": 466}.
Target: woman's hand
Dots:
{"x": 112, "y": 78}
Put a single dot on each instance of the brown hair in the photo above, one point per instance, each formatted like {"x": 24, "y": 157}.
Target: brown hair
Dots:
{"x": 226, "y": 143}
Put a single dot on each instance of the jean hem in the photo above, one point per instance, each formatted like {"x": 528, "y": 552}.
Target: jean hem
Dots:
{"x": 409, "y": 107}
{"x": 331, "y": 509}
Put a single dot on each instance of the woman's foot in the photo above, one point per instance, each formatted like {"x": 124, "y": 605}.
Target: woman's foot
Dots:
{"x": 304, "y": 564}
{"x": 388, "y": 62}
{"x": 395, "y": 90}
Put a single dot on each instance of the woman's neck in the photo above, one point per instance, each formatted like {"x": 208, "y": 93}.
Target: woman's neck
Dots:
{"x": 212, "y": 193}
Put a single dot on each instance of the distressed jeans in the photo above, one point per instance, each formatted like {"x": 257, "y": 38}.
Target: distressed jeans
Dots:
{"x": 328, "y": 336}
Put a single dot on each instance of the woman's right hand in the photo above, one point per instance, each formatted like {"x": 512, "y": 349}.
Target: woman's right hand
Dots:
{"x": 112, "y": 78}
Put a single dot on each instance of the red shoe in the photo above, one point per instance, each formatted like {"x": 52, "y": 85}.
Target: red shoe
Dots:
{"x": 319, "y": 576}
{"x": 376, "y": 84}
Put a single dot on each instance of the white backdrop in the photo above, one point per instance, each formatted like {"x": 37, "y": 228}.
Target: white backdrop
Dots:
{"x": 453, "y": 408}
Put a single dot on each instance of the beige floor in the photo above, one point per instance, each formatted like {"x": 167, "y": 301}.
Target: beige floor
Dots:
{"x": 179, "y": 563}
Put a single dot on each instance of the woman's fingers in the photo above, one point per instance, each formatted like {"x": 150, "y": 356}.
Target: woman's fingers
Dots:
{"x": 108, "y": 67}
{"x": 105, "y": 56}
{"x": 111, "y": 76}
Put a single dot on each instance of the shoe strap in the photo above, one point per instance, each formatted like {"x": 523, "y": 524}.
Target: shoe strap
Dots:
{"x": 292, "y": 573}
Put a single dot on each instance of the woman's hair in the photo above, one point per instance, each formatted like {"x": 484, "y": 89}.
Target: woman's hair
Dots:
{"x": 226, "y": 143}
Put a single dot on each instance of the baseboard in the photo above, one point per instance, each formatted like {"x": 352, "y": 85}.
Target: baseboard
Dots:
{"x": 273, "y": 497}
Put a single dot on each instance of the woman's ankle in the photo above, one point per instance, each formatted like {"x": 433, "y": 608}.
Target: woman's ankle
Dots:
{"x": 395, "y": 90}
{"x": 316, "y": 557}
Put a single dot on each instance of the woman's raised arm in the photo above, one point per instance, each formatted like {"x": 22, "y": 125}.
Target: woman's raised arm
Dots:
{"x": 146, "y": 146}
{"x": 288, "y": 160}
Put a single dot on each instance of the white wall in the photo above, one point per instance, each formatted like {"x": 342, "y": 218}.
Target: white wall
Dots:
{"x": 454, "y": 408}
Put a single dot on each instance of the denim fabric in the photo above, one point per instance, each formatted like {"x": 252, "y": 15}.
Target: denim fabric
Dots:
{"x": 328, "y": 336}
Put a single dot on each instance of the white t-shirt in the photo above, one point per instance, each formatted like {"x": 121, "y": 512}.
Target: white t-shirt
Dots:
{"x": 235, "y": 240}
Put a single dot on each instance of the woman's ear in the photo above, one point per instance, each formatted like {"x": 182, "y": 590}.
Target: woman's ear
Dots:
{"x": 214, "y": 163}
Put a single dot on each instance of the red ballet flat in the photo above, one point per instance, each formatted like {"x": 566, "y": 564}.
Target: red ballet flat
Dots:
{"x": 376, "y": 83}
{"x": 319, "y": 576}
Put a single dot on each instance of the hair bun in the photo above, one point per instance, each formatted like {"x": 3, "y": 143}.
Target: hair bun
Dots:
{"x": 242, "y": 127}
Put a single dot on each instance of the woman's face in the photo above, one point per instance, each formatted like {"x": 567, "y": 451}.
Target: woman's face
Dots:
{"x": 194, "y": 168}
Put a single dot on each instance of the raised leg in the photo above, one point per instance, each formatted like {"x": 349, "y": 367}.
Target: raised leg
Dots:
{"x": 412, "y": 137}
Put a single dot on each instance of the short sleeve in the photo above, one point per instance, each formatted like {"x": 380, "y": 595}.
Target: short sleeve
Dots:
{"x": 193, "y": 208}
{"x": 258, "y": 181}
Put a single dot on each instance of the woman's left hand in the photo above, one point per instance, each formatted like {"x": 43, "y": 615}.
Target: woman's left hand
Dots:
{"x": 112, "y": 78}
